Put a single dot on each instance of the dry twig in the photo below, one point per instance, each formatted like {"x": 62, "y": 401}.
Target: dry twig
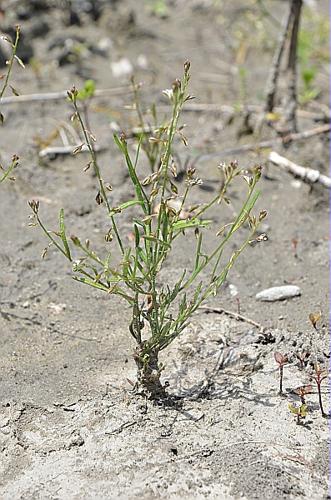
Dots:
{"x": 290, "y": 30}
{"x": 306, "y": 134}
{"x": 239, "y": 317}
{"x": 275, "y": 68}
{"x": 65, "y": 150}
{"x": 291, "y": 99}
{"x": 58, "y": 96}
{"x": 309, "y": 175}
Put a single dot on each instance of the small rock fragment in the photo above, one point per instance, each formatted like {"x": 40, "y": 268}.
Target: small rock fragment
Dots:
{"x": 75, "y": 440}
{"x": 121, "y": 68}
{"x": 56, "y": 308}
{"x": 278, "y": 293}
{"x": 233, "y": 290}
{"x": 142, "y": 61}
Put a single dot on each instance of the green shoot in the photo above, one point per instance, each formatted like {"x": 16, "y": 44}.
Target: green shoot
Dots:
{"x": 299, "y": 411}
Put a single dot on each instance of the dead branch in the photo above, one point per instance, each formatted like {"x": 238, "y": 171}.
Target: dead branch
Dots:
{"x": 250, "y": 108}
{"x": 233, "y": 315}
{"x": 309, "y": 175}
{"x": 58, "y": 96}
{"x": 291, "y": 99}
{"x": 65, "y": 150}
{"x": 275, "y": 68}
{"x": 190, "y": 107}
{"x": 290, "y": 31}
{"x": 297, "y": 136}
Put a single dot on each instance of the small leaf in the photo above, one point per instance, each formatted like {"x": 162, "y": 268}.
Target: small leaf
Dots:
{"x": 314, "y": 318}
{"x": 14, "y": 91}
{"x": 87, "y": 91}
{"x": 293, "y": 409}
{"x": 280, "y": 358}
{"x": 121, "y": 143}
{"x": 303, "y": 390}
{"x": 303, "y": 411}
{"x": 125, "y": 205}
{"x": 137, "y": 235}
{"x": 63, "y": 234}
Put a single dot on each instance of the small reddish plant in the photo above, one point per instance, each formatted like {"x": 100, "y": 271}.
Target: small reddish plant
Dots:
{"x": 303, "y": 391}
{"x": 281, "y": 360}
{"x": 303, "y": 358}
{"x": 318, "y": 376}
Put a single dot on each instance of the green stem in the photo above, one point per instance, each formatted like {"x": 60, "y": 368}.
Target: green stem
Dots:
{"x": 97, "y": 171}
{"x": 11, "y": 62}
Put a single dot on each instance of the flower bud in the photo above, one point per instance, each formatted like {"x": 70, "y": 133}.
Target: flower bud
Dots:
{"x": 176, "y": 85}
{"x": 187, "y": 66}
{"x": 34, "y": 205}
{"x": 262, "y": 215}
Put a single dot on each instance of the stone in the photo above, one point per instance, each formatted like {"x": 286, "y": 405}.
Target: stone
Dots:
{"x": 278, "y": 293}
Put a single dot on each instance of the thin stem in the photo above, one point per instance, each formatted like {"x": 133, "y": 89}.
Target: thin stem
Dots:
{"x": 281, "y": 371}
{"x": 53, "y": 240}
{"x": 11, "y": 167}
{"x": 179, "y": 99}
{"x": 220, "y": 247}
{"x": 97, "y": 170}
{"x": 320, "y": 399}
{"x": 11, "y": 61}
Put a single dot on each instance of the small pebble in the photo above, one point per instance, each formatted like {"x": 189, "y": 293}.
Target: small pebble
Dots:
{"x": 296, "y": 184}
{"x": 121, "y": 68}
{"x": 75, "y": 440}
{"x": 278, "y": 293}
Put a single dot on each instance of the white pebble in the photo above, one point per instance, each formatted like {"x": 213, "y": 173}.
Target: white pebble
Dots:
{"x": 278, "y": 293}
{"x": 121, "y": 68}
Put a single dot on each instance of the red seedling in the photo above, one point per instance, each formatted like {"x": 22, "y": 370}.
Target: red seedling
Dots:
{"x": 319, "y": 376}
{"x": 295, "y": 242}
{"x": 302, "y": 357}
{"x": 281, "y": 360}
{"x": 302, "y": 392}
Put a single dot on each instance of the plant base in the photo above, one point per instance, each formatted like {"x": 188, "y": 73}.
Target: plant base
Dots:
{"x": 148, "y": 374}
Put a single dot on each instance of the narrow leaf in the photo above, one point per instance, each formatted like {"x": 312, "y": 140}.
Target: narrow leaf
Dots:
{"x": 125, "y": 205}
{"x": 134, "y": 178}
{"x": 63, "y": 234}
{"x": 185, "y": 224}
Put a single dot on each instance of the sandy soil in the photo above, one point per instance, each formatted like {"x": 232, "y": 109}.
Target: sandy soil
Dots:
{"x": 69, "y": 427}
